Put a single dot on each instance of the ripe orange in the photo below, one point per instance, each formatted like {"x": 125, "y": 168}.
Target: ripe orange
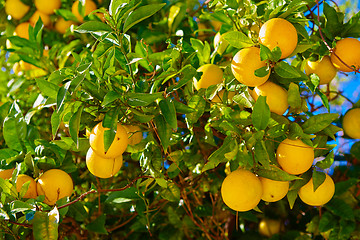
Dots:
{"x": 212, "y": 74}
{"x": 31, "y": 191}
{"x": 244, "y": 64}
{"x": 323, "y": 68}
{"x": 322, "y": 195}
{"x": 278, "y": 32}
{"x": 89, "y": 7}
{"x": 118, "y": 145}
{"x": 134, "y": 134}
{"x": 294, "y": 156}
{"x": 269, "y": 227}
{"x": 103, "y": 167}
{"x": 241, "y": 190}
{"x": 348, "y": 50}
{"x": 44, "y": 18}
{"x": 22, "y": 30}
{"x": 54, "y": 184}
{"x": 47, "y": 6}
{"x": 16, "y": 9}
{"x": 61, "y": 25}
{"x": 276, "y": 96}
{"x": 273, "y": 190}
{"x": 351, "y": 123}
{"x": 6, "y": 173}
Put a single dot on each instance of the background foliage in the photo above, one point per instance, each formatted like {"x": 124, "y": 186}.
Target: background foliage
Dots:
{"x": 137, "y": 67}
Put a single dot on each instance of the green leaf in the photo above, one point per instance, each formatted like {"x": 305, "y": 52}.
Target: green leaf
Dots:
{"x": 327, "y": 222}
{"x": 294, "y": 98}
{"x": 355, "y": 149}
{"x": 55, "y": 123}
{"x": 333, "y": 24}
{"x": 226, "y": 152}
{"x": 343, "y": 186}
{"x": 182, "y": 108}
{"x": 198, "y": 103}
{"x": 74, "y": 125}
{"x": 291, "y": 196}
{"x": 168, "y": 110}
{"x": 318, "y": 122}
{"x": 45, "y": 225}
{"x": 318, "y": 179}
{"x": 61, "y": 94}
{"x": 3, "y": 214}
{"x": 327, "y": 162}
{"x": 238, "y": 39}
{"x": 15, "y": 128}
{"x": 110, "y": 123}
{"x": 164, "y": 131}
{"x": 340, "y": 208}
{"x": 324, "y": 99}
{"x": 98, "y": 225}
{"x": 171, "y": 193}
{"x": 261, "y": 113}
{"x": 261, "y": 154}
{"x": 275, "y": 173}
{"x": 277, "y": 131}
{"x": 93, "y": 26}
{"x": 47, "y": 88}
{"x": 8, "y": 188}
{"x": 262, "y": 72}
{"x": 140, "y": 14}
{"x": 110, "y": 97}
{"x": 283, "y": 69}
{"x": 142, "y": 99}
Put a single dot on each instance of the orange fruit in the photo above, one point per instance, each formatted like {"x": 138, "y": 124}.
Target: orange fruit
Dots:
{"x": 47, "y": 6}
{"x": 212, "y": 74}
{"x": 348, "y": 50}
{"x": 323, "y": 68}
{"x": 351, "y": 123}
{"x": 89, "y": 7}
{"x": 44, "y": 18}
{"x": 16, "y": 9}
{"x": 244, "y": 64}
{"x": 278, "y": 32}
{"x": 22, "y": 30}
{"x": 54, "y": 184}
{"x": 273, "y": 190}
{"x": 294, "y": 156}
{"x": 269, "y": 227}
{"x": 134, "y": 134}
{"x": 118, "y": 145}
{"x": 6, "y": 173}
{"x": 103, "y": 167}
{"x": 241, "y": 190}
{"x": 31, "y": 191}
{"x": 322, "y": 195}
{"x": 61, "y": 25}
{"x": 276, "y": 96}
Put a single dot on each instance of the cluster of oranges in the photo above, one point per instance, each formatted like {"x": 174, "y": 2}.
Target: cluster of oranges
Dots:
{"x": 242, "y": 190}
{"x": 54, "y": 184}
{"x": 105, "y": 164}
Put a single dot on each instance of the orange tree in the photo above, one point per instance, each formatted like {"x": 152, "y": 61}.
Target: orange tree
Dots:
{"x": 130, "y": 119}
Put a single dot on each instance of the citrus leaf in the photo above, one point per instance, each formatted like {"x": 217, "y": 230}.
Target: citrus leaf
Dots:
{"x": 294, "y": 98}
{"x": 93, "y": 26}
{"x": 98, "y": 225}
{"x": 74, "y": 125}
{"x": 261, "y": 113}
{"x": 164, "y": 131}
{"x": 110, "y": 123}
{"x": 140, "y": 14}
{"x": 283, "y": 69}
{"x": 327, "y": 162}
{"x": 168, "y": 110}
{"x": 45, "y": 225}
{"x": 171, "y": 193}
{"x": 275, "y": 173}
{"x": 238, "y": 39}
{"x": 318, "y": 122}
{"x": 318, "y": 179}
{"x": 142, "y": 99}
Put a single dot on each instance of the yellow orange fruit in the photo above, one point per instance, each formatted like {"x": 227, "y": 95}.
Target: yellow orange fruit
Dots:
{"x": 220, "y": 44}
{"x": 44, "y": 18}
{"x": 31, "y": 191}
{"x": 322, "y": 195}
{"x": 47, "y": 6}
{"x": 16, "y": 9}
{"x": 103, "y": 167}
{"x": 61, "y": 25}
{"x": 22, "y": 30}
{"x": 351, "y": 123}
{"x": 216, "y": 24}
{"x": 212, "y": 74}
{"x": 6, "y": 173}
{"x": 54, "y": 184}
{"x": 89, "y": 7}
{"x": 244, "y": 64}
{"x": 276, "y": 96}
{"x": 348, "y": 50}
{"x": 278, "y": 32}
{"x": 118, "y": 145}
{"x": 273, "y": 190}
{"x": 241, "y": 190}
{"x": 134, "y": 134}
{"x": 323, "y": 68}
{"x": 294, "y": 156}
{"x": 269, "y": 227}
